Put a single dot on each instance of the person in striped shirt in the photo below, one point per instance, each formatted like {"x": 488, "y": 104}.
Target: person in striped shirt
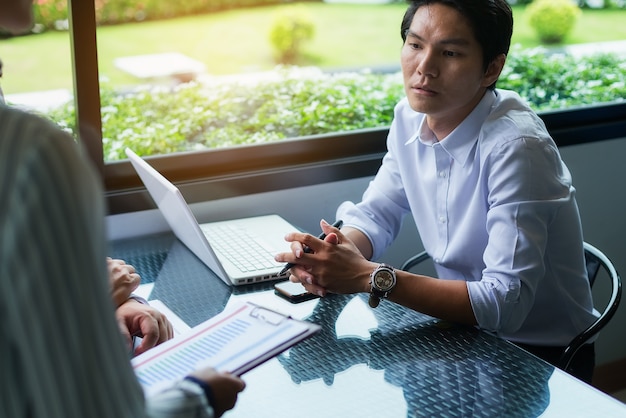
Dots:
{"x": 135, "y": 316}
{"x": 61, "y": 352}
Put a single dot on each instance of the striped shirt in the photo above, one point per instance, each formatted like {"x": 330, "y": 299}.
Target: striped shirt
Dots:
{"x": 61, "y": 352}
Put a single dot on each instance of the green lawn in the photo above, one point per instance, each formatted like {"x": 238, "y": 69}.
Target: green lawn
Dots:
{"x": 237, "y": 41}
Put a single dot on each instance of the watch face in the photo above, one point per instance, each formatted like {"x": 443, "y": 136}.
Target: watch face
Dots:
{"x": 384, "y": 280}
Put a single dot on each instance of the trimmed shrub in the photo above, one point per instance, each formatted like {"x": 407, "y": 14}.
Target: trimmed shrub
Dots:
{"x": 291, "y": 27}
{"x": 552, "y": 20}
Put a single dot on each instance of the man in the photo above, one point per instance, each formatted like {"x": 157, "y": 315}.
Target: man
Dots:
{"x": 490, "y": 195}
{"x": 61, "y": 354}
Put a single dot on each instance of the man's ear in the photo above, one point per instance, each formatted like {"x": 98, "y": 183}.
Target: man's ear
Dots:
{"x": 494, "y": 69}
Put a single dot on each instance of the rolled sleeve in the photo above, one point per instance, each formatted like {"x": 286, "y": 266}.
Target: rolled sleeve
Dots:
{"x": 526, "y": 193}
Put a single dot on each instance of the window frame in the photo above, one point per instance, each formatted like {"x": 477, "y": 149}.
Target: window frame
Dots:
{"x": 224, "y": 173}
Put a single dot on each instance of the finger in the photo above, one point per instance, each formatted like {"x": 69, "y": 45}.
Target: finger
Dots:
{"x": 293, "y": 257}
{"x": 328, "y": 228}
{"x": 150, "y": 334}
{"x": 143, "y": 347}
{"x": 296, "y": 248}
{"x": 316, "y": 290}
{"x": 166, "y": 330}
{"x": 239, "y": 383}
{"x": 304, "y": 240}
{"x": 332, "y": 238}
{"x": 136, "y": 281}
{"x": 300, "y": 275}
{"x": 115, "y": 262}
{"x": 170, "y": 330}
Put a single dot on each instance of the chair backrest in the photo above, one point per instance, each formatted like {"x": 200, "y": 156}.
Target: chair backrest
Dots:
{"x": 414, "y": 261}
{"x": 596, "y": 261}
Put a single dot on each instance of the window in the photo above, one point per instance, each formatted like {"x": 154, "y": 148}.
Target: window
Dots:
{"x": 107, "y": 62}
{"x": 165, "y": 54}
{"x": 23, "y": 83}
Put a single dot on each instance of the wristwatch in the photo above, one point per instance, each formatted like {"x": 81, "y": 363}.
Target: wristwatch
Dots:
{"x": 382, "y": 280}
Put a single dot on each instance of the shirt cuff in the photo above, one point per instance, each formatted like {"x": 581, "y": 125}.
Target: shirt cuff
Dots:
{"x": 138, "y": 299}
{"x": 208, "y": 391}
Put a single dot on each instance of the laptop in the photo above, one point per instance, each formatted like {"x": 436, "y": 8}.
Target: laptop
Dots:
{"x": 239, "y": 251}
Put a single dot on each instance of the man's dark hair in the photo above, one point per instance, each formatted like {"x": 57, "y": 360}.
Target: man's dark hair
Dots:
{"x": 491, "y": 21}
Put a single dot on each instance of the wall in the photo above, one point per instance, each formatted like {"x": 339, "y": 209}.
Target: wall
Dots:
{"x": 598, "y": 171}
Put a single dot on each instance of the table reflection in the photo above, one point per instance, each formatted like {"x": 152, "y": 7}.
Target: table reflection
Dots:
{"x": 441, "y": 369}
{"x": 383, "y": 362}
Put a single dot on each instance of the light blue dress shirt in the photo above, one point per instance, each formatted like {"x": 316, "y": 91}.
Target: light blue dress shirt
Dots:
{"x": 494, "y": 206}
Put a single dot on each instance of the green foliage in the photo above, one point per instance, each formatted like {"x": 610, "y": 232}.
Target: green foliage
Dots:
{"x": 560, "y": 81}
{"x": 48, "y": 13}
{"x": 292, "y": 26}
{"x": 293, "y": 102}
{"x": 602, "y": 4}
{"x": 552, "y": 20}
{"x": 592, "y": 4}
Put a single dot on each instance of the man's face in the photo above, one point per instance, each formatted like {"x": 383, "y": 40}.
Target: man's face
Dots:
{"x": 442, "y": 65}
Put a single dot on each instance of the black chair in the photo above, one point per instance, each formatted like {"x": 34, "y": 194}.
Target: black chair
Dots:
{"x": 596, "y": 260}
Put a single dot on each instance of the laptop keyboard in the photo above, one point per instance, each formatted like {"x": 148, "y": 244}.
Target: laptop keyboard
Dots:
{"x": 244, "y": 250}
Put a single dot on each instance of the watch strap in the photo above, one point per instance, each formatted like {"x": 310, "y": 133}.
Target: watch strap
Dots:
{"x": 376, "y": 294}
{"x": 373, "y": 300}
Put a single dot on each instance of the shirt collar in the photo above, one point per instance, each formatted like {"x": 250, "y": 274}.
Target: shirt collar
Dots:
{"x": 423, "y": 134}
{"x": 461, "y": 140}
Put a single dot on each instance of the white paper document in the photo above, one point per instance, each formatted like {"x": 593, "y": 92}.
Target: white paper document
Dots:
{"x": 234, "y": 341}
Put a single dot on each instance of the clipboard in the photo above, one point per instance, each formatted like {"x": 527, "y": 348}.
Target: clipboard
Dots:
{"x": 234, "y": 341}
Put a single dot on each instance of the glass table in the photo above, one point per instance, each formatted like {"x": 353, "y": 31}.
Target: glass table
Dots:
{"x": 383, "y": 362}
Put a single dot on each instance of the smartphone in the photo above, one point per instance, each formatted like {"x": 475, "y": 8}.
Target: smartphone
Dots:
{"x": 293, "y": 292}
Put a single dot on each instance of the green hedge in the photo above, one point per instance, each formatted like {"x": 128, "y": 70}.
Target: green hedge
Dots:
{"x": 192, "y": 116}
{"x": 48, "y": 13}
{"x": 560, "y": 81}
{"x": 302, "y": 102}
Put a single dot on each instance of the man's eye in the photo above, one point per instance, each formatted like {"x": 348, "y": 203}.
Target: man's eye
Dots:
{"x": 450, "y": 53}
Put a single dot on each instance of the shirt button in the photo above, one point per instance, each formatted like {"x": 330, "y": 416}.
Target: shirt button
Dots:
{"x": 437, "y": 260}
{"x": 442, "y": 174}
{"x": 442, "y": 219}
